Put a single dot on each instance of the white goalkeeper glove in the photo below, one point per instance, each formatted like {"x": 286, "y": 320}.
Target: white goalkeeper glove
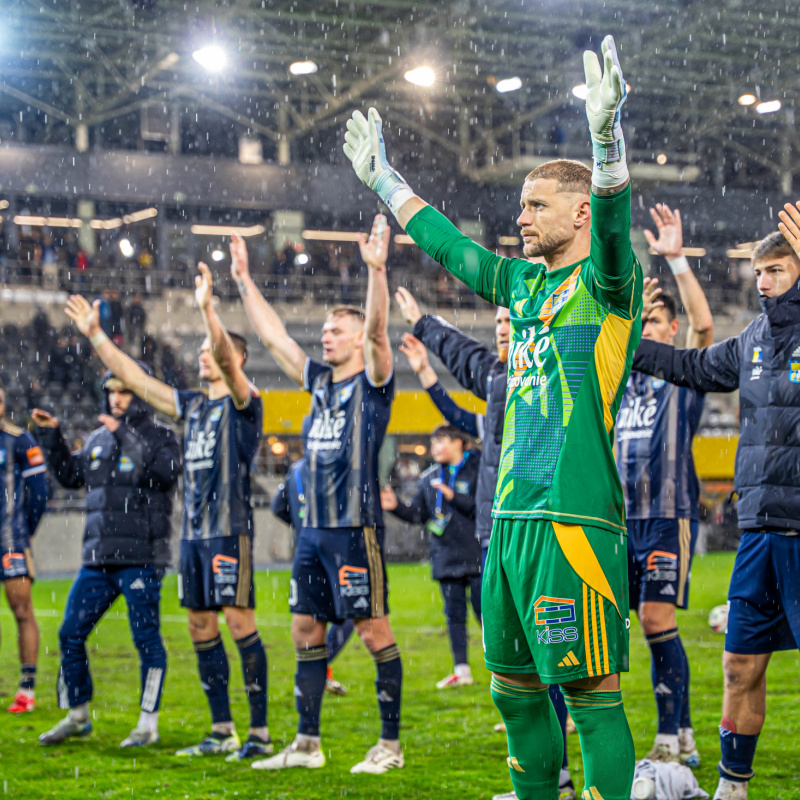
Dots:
{"x": 364, "y": 146}
{"x": 606, "y": 92}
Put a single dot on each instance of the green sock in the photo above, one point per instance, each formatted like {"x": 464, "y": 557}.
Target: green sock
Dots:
{"x": 535, "y": 744}
{"x": 606, "y": 743}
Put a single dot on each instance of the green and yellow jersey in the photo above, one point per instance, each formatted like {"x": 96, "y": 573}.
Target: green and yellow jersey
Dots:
{"x": 573, "y": 334}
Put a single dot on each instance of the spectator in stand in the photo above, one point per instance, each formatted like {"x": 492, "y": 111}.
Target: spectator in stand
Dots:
{"x": 82, "y": 266}
{"x": 105, "y": 313}
{"x": 282, "y": 267}
{"x": 49, "y": 263}
{"x": 137, "y": 322}
{"x": 117, "y": 316}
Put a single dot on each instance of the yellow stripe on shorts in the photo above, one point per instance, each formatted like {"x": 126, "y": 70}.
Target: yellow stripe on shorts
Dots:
{"x": 587, "y": 641}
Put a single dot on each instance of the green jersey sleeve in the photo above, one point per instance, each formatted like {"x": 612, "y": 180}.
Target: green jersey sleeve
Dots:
{"x": 614, "y": 274}
{"x": 486, "y": 273}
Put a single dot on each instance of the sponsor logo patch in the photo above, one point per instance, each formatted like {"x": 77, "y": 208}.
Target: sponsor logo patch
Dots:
{"x": 554, "y": 610}
{"x": 353, "y": 581}
{"x": 125, "y": 464}
{"x": 557, "y": 635}
{"x": 794, "y": 375}
{"x": 758, "y": 355}
{"x": 14, "y": 565}
{"x": 662, "y": 566}
{"x": 35, "y": 456}
{"x": 225, "y": 568}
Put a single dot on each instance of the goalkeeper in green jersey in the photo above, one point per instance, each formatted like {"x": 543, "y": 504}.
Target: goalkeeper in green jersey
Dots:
{"x": 555, "y": 587}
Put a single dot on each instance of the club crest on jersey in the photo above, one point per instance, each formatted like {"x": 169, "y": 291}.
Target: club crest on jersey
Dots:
{"x": 554, "y": 610}
{"x": 97, "y": 451}
{"x": 125, "y": 464}
{"x": 559, "y": 297}
{"x": 794, "y": 375}
{"x": 216, "y": 414}
{"x": 758, "y": 355}
{"x": 656, "y": 383}
{"x": 346, "y": 393}
{"x": 2, "y": 457}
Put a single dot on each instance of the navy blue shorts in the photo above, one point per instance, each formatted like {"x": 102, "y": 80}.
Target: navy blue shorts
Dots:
{"x": 17, "y": 563}
{"x": 216, "y": 572}
{"x": 660, "y": 560}
{"x": 764, "y": 595}
{"x": 339, "y": 573}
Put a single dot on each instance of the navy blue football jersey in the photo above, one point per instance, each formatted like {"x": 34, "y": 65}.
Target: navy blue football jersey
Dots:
{"x": 219, "y": 444}
{"x": 348, "y": 422}
{"x": 655, "y": 427}
{"x": 23, "y": 486}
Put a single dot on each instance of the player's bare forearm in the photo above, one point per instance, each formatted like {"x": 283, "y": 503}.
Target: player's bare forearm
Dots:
{"x": 271, "y": 331}
{"x": 223, "y": 351}
{"x": 701, "y": 322}
{"x": 377, "y": 347}
{"x": 155, "y": 393}
{"x": 409, "y": 209}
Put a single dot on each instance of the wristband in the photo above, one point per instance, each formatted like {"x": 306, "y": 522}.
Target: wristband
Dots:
{"x": 98, "y": 339}
{"x": 609, "y": 152}
{"x": 678, "y": 265}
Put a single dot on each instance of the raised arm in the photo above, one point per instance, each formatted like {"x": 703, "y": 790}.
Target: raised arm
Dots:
{"x": 670, "y": 245}
{"x": 377, "y": 347}
{"x": 265, "y": 322}
{"x": 66, "y": 467}
{"x": 478, "y": 268}
{"x": 712, "y": 369}
{"x": 155, "y": 393}
{"x": 417, "y": 357}
{"x": 221, "y": 345}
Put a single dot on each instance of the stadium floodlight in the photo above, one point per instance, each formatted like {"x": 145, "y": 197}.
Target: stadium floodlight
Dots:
{"x": 303, "y": 68}
{"x": 421, "y": 76}
{"x": 747, "y": 99}
{"x": 509, "y": 85}
{"x": 211, "y": 57}
{"x": 217, "y": 254}
{"x": 580, "y": 91}
{"x": 301, "y": 259}
{"x": 125, "y": 247}
{"x": 768, "y": 107}
{"x": 661, "y": 158}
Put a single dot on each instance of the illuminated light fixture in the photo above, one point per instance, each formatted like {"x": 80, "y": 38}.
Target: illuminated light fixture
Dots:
{"x": 661, "y": 158}
{"x": 508, "y": 241}
{"x": 211, "y": 57}
{"x": 421, "y": 76}
{"x": 50, "y": 222}
{"x": 747, "y": 245}
{"x": 509, "y": 85}
{"x": 226, "y": 230}
{"x": 301, "y": 259}
{"x": 739, "y": 253}
{"x": 106, "y": 224}
{"x": 125, "y": 247}
{"x": 747, "y": 99}
{"x": 138, "y": 216}
{"x": 217, "y": 254}
{"x": 690, "y": 252}
{"x": 403, "y": 238}
{"x": 278, "y": 448}
{"x": 303, "y": 68}
{"x": 3, "y": 205}
{"x": 580, "y": 91}
{"x": 420, "y": 450}
{"x": 768, "y": 107}
{"x": 330, "y": 236}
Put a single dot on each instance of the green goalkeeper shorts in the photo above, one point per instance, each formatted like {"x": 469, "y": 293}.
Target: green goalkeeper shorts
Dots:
{"x": 555, "y": 600}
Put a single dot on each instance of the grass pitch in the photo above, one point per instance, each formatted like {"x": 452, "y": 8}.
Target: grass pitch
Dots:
{"x": 450, "y": 748}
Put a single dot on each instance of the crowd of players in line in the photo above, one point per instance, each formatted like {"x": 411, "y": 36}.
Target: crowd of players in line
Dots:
{"x": 556, "y": 585}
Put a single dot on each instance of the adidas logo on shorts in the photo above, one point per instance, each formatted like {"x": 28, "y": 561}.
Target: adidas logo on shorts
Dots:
{"x": 138, "y": 584}
{"x": 361, "y": 603}
{"x": 228, "y": 591}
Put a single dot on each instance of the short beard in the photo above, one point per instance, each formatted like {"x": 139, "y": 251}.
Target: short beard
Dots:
{"x": 545, "y": 244}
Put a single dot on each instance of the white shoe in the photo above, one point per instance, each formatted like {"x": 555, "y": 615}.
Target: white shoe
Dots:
{"x": 139, "y": 737}
{"x": 506, "y": 796}
{"x": 292, "y": 756}
{"x": 452, "y": 681}
{"x": 379, "y": 759}
{"x": 728, "y": 790}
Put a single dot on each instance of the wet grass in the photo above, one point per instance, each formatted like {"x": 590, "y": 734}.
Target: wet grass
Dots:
{"x": 450, "y": 748}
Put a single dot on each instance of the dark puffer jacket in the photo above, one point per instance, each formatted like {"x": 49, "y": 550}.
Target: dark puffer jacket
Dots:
{"x": 480, "y": 371}
{"x": 763, "y": 362}
{"x": 129, "y": 475}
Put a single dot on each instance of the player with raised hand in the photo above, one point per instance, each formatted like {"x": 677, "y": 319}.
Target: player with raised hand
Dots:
{"x": 555, "y": 588}
{"x": 221, "y": 433}
{"x": 762, "y": 363}
{"x": 338, "y": 570}
{"x": 655, "y": 427}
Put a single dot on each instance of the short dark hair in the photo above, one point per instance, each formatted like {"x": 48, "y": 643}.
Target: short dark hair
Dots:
{"x": 450, "y": 432}
{"x": 572, "y": 176}
{"x": 773, "y": 246}
{"x": 240, "y": 343}
{"x": 670, "y": 304}
{"x": 347, "y": 311}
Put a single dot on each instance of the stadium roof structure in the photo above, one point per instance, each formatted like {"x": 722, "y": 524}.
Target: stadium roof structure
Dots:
{"x": 119, "y": 74}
